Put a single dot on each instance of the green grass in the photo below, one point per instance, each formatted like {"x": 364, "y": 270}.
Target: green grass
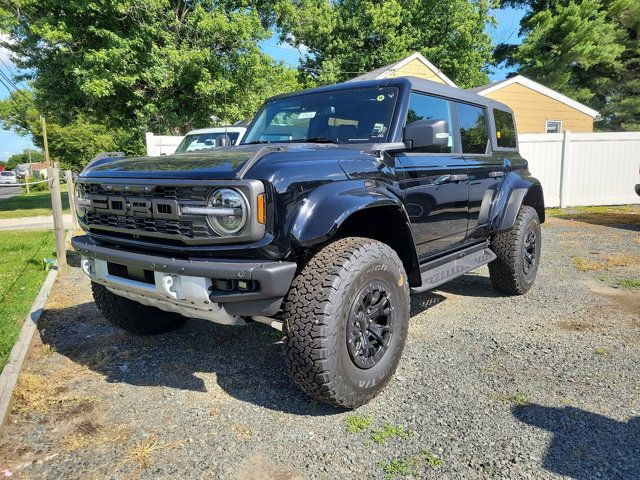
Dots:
{"x": 31, "y": 204}
{"x": 381, "y": 435}
{"x": 517, "y": 399}
{"x": 399, "y": 467}
{"x": 607, "y": 215}
{"x": 432, "y": 460}
{"x": 357, "y": 423}
{"x": 21, "y": 276}
{"x": 630, "y": 283}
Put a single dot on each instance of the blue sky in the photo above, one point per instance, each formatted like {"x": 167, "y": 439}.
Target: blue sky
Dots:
{"x": 505, "y": 32}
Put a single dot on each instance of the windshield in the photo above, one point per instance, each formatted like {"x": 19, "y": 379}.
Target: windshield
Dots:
{"x": 344, "y": 116}
{"x": 7, "y": 174}
{"x": 205, "y": 141}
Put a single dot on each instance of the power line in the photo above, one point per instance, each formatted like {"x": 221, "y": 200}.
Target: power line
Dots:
{"x": 18, "y": 90}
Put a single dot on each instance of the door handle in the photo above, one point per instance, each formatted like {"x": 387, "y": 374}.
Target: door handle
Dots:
{"x": 461, "y": 177}
{"x": 497, "y": 174}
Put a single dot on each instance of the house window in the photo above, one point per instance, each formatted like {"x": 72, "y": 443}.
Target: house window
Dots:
{"x": 553, "y": 126}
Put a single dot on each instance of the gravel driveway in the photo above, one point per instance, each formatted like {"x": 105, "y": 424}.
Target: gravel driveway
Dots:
{"x": 541, "y": 386}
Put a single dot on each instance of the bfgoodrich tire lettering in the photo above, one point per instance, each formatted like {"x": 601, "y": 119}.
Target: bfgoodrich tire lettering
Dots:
{"x": 318, "y": 308}
{"x": 518, "y": 252}
{"x": 133, "y": 316}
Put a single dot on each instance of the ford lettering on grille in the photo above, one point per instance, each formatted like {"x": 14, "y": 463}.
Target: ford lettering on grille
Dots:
{"x": 135, "y": 206}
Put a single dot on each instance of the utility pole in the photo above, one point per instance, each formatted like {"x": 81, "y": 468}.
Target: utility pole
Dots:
{"x": 56, "y": 200}
{"x": 28, "y": 174}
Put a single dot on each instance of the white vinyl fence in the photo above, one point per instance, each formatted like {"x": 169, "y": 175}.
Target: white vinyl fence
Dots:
{"x": 162, "y": 144}
{"x": 584, "y": 168}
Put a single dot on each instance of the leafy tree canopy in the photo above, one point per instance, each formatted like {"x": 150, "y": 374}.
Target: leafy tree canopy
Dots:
{"x": 74, "y": 144}
{"x": 35, "y": 156}
{"x": 160, "y": 65}
{"x": 346, "y": 37}
{"x": 586, "y": 49}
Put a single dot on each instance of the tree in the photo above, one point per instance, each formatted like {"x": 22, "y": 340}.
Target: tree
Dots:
{"x": 344, "y": 38}
{"x": 74, "y": 144}
{"x": 586, "y": 49}
{"x": 26, "y": 156}
{"x": 160, "y": 65}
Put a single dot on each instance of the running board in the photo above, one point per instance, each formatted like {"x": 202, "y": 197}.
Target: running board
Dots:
{"x": 442, "y": 270}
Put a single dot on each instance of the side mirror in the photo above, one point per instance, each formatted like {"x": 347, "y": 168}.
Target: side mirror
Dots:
{"x": 427, "y": 133}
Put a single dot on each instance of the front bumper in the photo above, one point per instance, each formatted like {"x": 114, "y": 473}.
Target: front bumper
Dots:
{"x": 189, "y": 287}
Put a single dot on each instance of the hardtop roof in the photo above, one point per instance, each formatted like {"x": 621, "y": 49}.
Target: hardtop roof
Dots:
{"x": 417, "y": 84}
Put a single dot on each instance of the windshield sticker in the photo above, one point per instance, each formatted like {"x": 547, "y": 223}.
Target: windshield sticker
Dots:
{"x": 307, "y": 115}
{"x": 378, "y": 130}
{"x": 380, "y": 98}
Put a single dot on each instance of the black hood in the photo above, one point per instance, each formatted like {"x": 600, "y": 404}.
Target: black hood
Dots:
{"x": 219, "y": 163}
{"x": 223, "y": 163}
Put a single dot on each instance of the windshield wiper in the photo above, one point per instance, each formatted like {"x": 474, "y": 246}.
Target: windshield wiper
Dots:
{"x": 315, "y": 140}
{"x": 255, "y": 143}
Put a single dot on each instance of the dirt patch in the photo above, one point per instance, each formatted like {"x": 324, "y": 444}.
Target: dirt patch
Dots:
{"x": 626, "y": 300}
{"x": 257, "y": 467}
{"x": 575, "y": 326}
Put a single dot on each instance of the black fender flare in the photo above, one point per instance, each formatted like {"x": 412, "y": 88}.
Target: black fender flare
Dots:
{"x": 328, "y": 206}
{"x": 321, "y": 214}
{"x": 510, "y": 197}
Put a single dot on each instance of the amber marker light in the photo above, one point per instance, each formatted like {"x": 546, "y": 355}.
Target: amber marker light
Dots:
{"x": 262, "y": 210}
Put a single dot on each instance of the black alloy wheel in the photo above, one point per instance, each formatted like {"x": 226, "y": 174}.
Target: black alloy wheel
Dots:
{"x": 370, "y": 325}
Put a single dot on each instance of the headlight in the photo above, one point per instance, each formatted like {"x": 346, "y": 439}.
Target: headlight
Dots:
{"x": 235, "y": 221}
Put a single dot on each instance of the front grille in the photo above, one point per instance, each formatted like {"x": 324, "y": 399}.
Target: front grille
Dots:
{"x": 187, "y": 229}
{"x": 193, "y": 193}
{"x": 145, "y": 210}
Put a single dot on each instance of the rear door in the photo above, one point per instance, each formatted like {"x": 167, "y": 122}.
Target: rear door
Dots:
{"x": 435, "y": 182}
{"x": 485, "y": 168}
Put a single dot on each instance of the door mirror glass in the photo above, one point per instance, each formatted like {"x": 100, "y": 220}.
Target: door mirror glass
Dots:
{"x": 432, "y": 135}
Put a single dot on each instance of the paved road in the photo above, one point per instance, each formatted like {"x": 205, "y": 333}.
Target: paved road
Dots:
{"x": 542, "y": 386}
{"x": 8, "y": 192}
{"x": 44, "y": 222}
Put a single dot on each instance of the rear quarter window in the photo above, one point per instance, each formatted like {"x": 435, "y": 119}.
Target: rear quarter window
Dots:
{"x": 505, "y": 129}
{"x": 473, "y": 128}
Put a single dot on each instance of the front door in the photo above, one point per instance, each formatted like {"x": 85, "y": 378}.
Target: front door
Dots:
{"x": 435, "y": 183}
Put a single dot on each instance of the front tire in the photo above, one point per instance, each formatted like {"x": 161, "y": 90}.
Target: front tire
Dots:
{"x": 134, "y": 317}
{"x": 346, "y": 318}
{"x": 518, "y": 252}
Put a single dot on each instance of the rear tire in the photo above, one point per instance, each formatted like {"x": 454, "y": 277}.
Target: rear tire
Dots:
{"x": 134, "y": 317}
{"x": 518, "y": 252}
{"x": 346, "y": 318}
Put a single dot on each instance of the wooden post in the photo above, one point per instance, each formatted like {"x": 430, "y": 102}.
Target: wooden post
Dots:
{"x": 26, "y": 179}
{"x": 72, "y": 197}
{"x": 56, "y": 200}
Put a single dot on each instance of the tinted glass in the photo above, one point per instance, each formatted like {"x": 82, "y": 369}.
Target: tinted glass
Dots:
{"x": 205, "y": 141}
{"x": 505, "y": 129}
{"x": 424, "y": 107}
{"x": 473, "y": 128}
{"x": 342, "y": 116}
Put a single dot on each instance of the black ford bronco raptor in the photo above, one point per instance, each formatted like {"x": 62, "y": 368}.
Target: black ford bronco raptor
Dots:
{"x": 340, "y": 201}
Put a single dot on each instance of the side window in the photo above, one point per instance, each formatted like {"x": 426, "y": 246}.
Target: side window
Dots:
{"x": 505, "y": 129}
{"x": 424, "y": 107}
{"x": 473, "y": 128}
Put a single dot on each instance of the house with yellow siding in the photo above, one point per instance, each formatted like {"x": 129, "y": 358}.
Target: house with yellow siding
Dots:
{"x": 415, "y": 65}
{"x": 538, "y": 109}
